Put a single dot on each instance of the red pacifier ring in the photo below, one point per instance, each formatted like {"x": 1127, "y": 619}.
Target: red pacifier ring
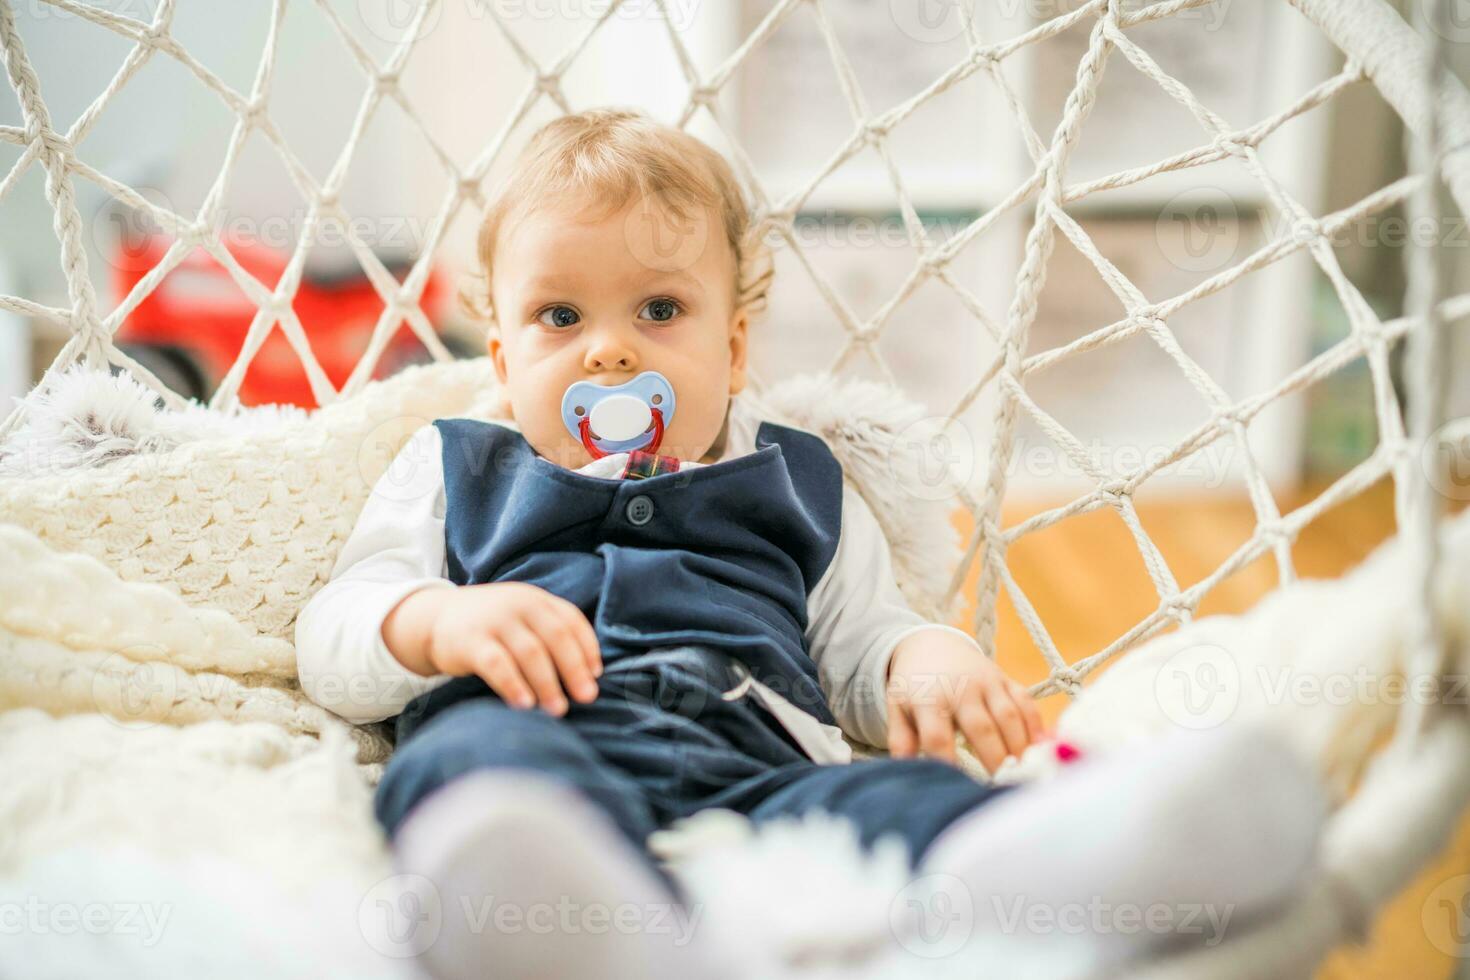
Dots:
{"x": 584, "y": 429}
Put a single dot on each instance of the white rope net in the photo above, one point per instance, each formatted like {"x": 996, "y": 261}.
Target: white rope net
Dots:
{"x": 1046, "y": 194}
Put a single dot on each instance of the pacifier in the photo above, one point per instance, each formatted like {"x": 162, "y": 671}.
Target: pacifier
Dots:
{"x": 619, "y": 418}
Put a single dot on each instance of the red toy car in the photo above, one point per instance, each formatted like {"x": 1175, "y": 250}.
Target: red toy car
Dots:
{"x": 190, "y": 329}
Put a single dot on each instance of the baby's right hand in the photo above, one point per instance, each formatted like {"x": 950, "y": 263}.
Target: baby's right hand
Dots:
{"x": 519, "y": 638}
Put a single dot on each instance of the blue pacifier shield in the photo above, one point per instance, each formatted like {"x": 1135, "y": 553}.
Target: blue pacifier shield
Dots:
{"x": 620, "y": 414}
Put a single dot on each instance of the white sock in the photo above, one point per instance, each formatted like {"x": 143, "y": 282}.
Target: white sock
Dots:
{"x": 1176, "y": 842}
{"x": 532, "y": 880}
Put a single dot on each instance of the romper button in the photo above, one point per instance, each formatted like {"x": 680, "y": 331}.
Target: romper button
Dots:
{"x": 640, "y": 510}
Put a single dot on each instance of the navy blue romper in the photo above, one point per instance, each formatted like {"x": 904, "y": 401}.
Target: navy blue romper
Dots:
{"x": 680, "y": 574}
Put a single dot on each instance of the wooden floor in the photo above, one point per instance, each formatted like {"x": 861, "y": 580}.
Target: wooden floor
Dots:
{"x": 1088, "y": 583}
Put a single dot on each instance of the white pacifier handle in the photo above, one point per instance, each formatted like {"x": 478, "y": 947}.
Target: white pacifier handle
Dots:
{"x": 620, "y": 417}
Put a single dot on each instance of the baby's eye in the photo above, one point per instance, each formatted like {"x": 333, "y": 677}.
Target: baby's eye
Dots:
{"x": 559, "y": 316}
{"x": 661, "y": 310}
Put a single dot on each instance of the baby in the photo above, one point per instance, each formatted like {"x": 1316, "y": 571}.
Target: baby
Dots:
{"x": 641, "y": 599}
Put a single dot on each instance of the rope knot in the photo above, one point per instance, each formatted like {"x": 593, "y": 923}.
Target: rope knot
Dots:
{"x": 1400, "y": 448}
{"x": 932, "y": 264}
{"x": 1274, "y": 533}
{"x": 984, "y": 57}
{"x": 1227, "y": 145}
{"x": 1176, "y": 607}
{"x": 1306, "y": 229}
{"x": 1228, "y": 417}
{"x": 1067, "y": 678}
{"x": 54, "y": 146}
{"x": 253, "y": 115}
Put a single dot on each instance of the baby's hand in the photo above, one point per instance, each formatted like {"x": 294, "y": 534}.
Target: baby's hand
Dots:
{"x": 516, "y": 636}
{"x": 937, "y": 682}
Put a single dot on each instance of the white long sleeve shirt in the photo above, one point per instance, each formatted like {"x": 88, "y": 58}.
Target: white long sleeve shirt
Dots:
{"x": 856, "y": 612}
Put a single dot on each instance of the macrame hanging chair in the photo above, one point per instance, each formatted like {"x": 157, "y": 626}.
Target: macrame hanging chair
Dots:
{"x": 152, "y": 562}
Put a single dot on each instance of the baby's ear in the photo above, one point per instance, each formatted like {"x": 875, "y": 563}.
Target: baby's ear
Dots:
{"x": 496, "y": 351}
{"x": 739, "y": 324}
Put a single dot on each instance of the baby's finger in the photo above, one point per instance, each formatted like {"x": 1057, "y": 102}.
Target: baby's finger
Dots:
{"x": 902, "y": 739}
{"x": 1029, "y": 710}
{"x": 536, "y": 666}
{"x": 1007, "y": 718}
{"x": 585, "y": 634}
{"x": 496, "y": 667}
{"x": 551, "y": 624}
{"x": 980, "y": 731}
{"x": 936, "y": 731}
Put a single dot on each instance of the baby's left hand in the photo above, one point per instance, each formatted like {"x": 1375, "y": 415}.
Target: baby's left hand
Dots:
{"x": 937, "y": 683}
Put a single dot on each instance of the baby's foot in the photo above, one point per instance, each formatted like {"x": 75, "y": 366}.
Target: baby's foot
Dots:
{"x": 1175, "y": 842}
{"x": 534, "y": 881}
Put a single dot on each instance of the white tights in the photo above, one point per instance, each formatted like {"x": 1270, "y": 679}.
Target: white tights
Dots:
{"x": 1173, "y": 843}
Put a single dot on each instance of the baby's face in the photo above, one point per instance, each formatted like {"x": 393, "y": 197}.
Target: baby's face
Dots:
{"x": 604, "y": 300}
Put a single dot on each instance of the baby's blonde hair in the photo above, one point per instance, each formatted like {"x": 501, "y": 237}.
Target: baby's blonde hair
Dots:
{"x": 615, "y": 155}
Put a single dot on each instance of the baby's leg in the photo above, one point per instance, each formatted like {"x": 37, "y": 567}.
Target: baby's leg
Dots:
{"x": 913, "y": 799}
{"x": 534, "y": 847}
{"x": 485, "y": 733}
{"x": 1173, "y": 842}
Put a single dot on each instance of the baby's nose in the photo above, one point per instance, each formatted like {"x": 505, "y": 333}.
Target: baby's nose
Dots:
{"x": 611, "y": 357}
